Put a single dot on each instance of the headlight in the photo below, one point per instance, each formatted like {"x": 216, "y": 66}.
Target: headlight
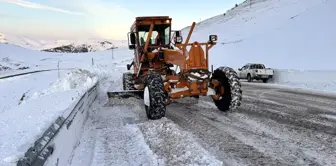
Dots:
{"x": 213, "y": 38}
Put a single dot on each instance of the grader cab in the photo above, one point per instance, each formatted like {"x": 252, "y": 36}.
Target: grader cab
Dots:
{"x": 165, "y": 68}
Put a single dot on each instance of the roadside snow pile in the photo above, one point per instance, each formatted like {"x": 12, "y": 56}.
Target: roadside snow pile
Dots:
{"x": 30, "y": 103}
{"x": 31, "y": 110}
{"x": 308, "y": 79}
{"x": 78, "y": 79}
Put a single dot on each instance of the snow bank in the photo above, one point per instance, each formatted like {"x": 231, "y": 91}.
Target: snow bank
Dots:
{"x": 320, "y": 81}
{"x": 78, "y": 79}
{"x": 70, "y": 132}
{"x": 29, "y": 104}
{"x": 26, "y": 111}
{"x": 286, "y": 34}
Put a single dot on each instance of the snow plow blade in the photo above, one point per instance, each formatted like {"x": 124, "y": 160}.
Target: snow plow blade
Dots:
{"x": 126, "y": 94}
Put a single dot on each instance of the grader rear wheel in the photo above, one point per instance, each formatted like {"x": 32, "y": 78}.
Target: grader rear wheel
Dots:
{"x": 231, "y": 99}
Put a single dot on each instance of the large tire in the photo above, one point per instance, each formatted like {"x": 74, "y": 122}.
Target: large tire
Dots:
{"x": 265, "y": 80}
{"x": 249, "y": 78}
{"x": 231, "y": 99}
{"x": 155, "y": 97}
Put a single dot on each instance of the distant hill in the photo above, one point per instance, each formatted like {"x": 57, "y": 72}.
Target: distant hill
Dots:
{"x": 67, "y": 46}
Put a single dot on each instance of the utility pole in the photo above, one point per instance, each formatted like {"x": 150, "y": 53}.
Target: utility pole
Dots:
{"x": 58, "y": 68}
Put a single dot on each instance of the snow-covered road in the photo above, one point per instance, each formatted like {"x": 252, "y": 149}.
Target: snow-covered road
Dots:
{"x": 272, "y": 127}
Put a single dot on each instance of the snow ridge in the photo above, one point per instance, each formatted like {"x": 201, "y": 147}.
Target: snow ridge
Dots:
{"x": 85, "y": 45}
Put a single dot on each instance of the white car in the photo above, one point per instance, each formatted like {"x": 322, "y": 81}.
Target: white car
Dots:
{"x": 255, "y": 71}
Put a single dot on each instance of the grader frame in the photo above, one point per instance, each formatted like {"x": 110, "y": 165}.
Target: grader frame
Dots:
{"x": 152, "y": 71}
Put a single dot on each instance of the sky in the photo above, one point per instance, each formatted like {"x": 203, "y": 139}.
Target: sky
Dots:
{"x": 110, "y": 19}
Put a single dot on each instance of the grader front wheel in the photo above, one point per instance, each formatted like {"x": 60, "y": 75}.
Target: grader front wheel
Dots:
{"x": 231, "y": 99}
{"x": 155, "y": 97}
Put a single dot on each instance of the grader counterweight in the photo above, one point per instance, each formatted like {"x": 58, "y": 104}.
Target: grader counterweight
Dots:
{"x": 154, "y": 79}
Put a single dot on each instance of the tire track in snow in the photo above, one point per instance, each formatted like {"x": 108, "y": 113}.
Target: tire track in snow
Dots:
{"x": 277, "y": 130}
{"x": 297, "y": 110}
{"x": 222, "y": 143}
{"x": 297, "y": 142}
{"x": 111, "y": 139}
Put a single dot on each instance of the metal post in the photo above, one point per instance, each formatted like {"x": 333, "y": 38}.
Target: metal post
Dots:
{"x": 112, "y": 53}
{"x": 211, "y": 68}
{"x": 58, "y": 68}
{"x": 92, "y": 62}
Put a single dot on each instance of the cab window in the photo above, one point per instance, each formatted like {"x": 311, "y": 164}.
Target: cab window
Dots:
{"x": 163, "y": 30}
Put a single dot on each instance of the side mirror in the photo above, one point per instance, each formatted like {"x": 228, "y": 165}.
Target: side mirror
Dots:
{"x": 213, "y": 38}
{"x": 239, "y": 69}
{"x": 178, "y": 38}
{"x": 131, "y": 47}
{"x": 178, "y": 33}
{"x": 132, "y": 38}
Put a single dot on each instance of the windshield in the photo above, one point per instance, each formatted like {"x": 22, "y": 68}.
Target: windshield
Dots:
{"x": 160, "y": 35}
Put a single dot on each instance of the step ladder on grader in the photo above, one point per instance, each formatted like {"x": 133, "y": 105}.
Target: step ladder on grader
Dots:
{"x": 157, "y": 51}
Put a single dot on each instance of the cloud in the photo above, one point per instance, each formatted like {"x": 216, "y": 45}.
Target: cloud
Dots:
{"x": 39, "y": 6}
{"x": 107, "y": 19}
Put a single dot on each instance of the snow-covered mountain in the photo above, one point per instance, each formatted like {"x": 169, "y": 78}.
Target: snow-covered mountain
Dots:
{"x": 285, "y": 34}
{"x": 2, "y": 38}
{"x": 89, "y": 45}
{"x": 77, "y": 46}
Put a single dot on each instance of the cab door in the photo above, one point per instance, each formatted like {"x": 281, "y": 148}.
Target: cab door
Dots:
{"x": 243, "y": 72}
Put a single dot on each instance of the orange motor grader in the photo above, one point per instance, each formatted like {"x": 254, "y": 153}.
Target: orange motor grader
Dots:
{"x": 166, "y": 69}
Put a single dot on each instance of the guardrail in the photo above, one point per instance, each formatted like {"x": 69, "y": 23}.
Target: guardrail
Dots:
{"x": 31, "y": 72}
{"x": 64, "y": 132}
{"x": 25, "y": 73}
